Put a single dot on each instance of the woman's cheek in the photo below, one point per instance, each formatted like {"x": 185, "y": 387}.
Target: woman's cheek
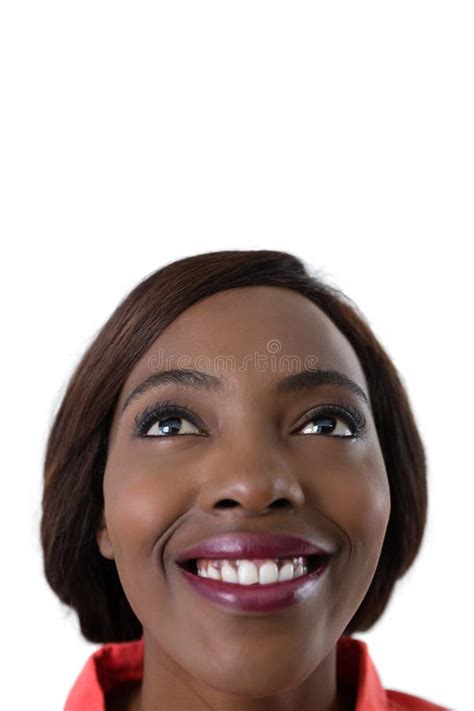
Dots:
{"x": 352, "y": 489}
{"x": 146, "y": 496}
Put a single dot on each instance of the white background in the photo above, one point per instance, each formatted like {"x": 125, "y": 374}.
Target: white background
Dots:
{"x": 136, "y": 133}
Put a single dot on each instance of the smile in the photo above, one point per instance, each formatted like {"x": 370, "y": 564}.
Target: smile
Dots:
{"x": 256, "y": 585}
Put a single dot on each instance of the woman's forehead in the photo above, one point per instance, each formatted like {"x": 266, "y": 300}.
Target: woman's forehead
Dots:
{"x": 250, "y": 334}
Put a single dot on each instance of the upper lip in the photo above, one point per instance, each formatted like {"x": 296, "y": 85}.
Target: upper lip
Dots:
{"x": 248, "y": 545}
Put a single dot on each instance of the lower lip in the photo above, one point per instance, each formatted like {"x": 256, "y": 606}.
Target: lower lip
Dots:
{"x": 257, "y": 598}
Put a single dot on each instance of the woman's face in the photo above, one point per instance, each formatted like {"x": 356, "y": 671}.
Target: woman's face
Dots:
{"x": 251, "y": 463}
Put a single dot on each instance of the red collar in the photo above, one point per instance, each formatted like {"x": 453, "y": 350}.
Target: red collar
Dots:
{"x": 118, "y": 662}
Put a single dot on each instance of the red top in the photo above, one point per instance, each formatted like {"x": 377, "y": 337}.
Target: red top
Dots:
{"x": 120, "y": 662}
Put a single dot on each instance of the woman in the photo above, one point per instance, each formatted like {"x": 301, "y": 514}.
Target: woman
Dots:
{"x": 234, "y": 482}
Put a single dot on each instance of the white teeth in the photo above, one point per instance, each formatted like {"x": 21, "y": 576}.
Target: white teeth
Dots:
{"x": 229, "y": 573}
{"x": 268, "y": 573}
{"x": 286, "y": 572}
{"x": 250, "y": 572}
{"x": 213, "y": 573}
{"x": 247, "y": 573}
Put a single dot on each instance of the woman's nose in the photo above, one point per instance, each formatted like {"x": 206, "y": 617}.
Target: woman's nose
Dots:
{"x": 251, "y": 475}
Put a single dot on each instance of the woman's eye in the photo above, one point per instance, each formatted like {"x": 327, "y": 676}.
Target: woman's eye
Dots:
{"x": 330, "y": 423}
{"x": 166, "y": 419}
{"x": 166, "y": 426}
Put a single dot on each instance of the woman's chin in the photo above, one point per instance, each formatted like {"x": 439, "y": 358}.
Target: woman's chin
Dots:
{"x": 256, "y": 680}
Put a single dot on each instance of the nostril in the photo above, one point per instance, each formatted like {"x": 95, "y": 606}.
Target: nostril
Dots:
{"x": 227, "y": 503}
{"x": 280, "y": 504}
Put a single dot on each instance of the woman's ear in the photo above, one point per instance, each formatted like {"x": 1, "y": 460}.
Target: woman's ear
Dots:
{"x": 103, "y": 538}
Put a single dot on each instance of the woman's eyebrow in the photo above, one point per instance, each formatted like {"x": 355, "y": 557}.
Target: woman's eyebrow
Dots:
{"x": 307, "y": 379}
{"x": 302, "y": 380}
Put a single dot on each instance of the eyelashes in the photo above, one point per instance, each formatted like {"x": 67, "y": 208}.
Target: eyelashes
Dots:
{"x": 160, "y": 410}
{"x": 169, "y": 409}
{"x": 351, "y": 415}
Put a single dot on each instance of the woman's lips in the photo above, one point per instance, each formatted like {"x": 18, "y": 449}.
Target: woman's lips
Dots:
{"x": 245, "y": 545}
{"x": 258, "y": 597}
